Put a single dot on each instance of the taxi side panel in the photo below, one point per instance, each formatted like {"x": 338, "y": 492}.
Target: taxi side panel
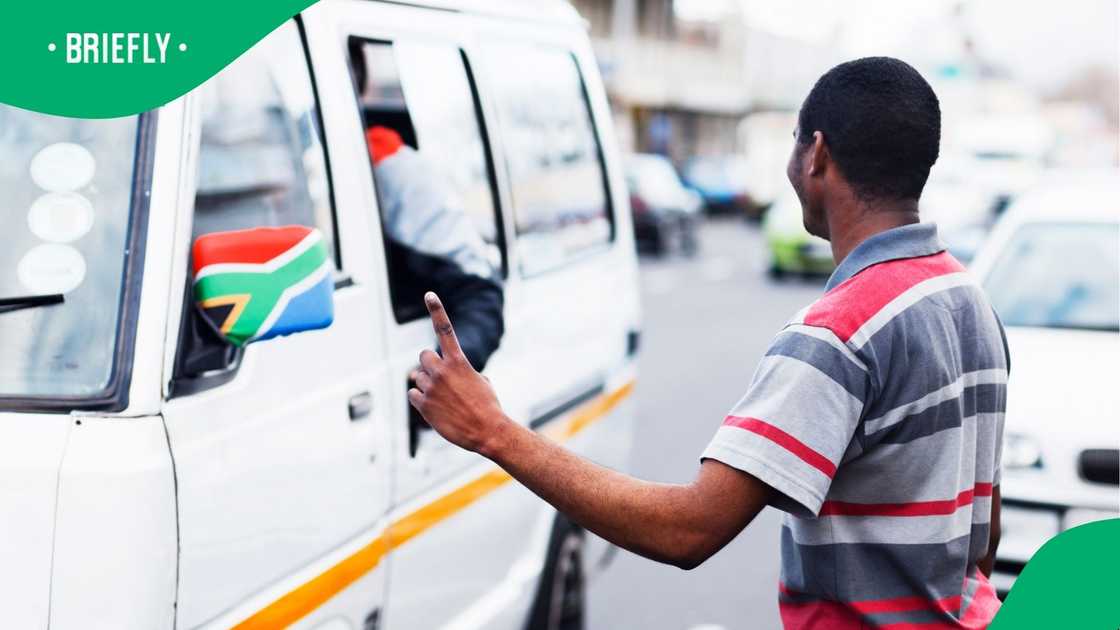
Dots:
{"x": 282, "y": 488}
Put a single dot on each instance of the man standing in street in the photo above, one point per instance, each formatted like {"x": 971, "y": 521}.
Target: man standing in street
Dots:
{"x": 874, "y": 420}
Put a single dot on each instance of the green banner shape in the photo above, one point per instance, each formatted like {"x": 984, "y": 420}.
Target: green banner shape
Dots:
{"x": 132, "y": 55}
{"x": 1071, "y": 582}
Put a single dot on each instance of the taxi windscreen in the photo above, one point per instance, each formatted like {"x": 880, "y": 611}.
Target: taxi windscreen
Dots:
{"x": 1059, "y": 275}
{"x": 66, "y": 209}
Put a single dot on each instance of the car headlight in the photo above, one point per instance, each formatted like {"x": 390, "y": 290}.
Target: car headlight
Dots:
{"x": 1021, "y": 451}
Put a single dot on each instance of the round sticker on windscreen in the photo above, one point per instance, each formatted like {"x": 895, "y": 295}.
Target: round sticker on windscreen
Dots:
{"x": 62, "y": 166}
{"x": 60, "y": 217}
{"x": 51, "y": 268}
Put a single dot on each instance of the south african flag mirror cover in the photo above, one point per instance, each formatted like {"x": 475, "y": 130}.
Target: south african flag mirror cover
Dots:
{"x": 265, "y": 282}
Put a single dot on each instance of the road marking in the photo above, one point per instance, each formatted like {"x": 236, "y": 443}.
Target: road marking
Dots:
{"x": 717, "y": 269}
{"x": 661, "y": 281}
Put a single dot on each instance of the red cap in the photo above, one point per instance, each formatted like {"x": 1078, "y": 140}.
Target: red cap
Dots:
{"x": 382, "y": 142}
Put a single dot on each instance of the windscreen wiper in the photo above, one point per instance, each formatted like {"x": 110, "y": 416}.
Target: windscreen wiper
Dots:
{"x": 10, "y": 304}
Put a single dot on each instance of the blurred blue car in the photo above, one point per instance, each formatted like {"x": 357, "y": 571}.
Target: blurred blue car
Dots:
{"x": 721, "y": 181}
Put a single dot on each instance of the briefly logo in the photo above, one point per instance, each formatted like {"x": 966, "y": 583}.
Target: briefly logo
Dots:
{"x": 117, "y": 48}
{"x": 265, "y": 282}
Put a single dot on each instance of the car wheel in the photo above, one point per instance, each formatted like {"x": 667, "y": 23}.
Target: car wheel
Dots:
{"x": 689, "y": 240}
{"x": 661, "y": 240}
{"x": 561, "y": 595}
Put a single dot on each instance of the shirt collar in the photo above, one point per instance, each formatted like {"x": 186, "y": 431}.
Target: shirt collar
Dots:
{"x": 907, "y": 241}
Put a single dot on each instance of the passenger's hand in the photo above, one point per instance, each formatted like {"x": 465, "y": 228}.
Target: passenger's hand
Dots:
{"x": 456, "y": 400}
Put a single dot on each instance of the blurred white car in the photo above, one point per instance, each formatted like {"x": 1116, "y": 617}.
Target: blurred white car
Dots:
{"x": 1005, "y": 153}
{"x": 1052, "y": 270}
{"x": 766, "y": 138}
{"x": 962, "y": 208}
{"x": 665, "y": 212}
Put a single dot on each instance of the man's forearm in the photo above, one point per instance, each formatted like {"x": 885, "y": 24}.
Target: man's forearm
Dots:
{"x": 663, "y": 522}
{"x": 988, "y": 562}
{"x": 677, "y": 524}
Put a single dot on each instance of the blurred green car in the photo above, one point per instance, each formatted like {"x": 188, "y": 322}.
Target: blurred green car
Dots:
{"x": 792, "y": 250}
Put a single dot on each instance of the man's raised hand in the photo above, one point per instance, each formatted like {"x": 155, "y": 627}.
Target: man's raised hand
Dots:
{"x": 445, "y": 332}
{"x": 455, "y": 399}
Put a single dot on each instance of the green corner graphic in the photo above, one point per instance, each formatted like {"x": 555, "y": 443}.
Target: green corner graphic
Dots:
{"x": 106, "y": 59}
{"x": 1072, "y": 582}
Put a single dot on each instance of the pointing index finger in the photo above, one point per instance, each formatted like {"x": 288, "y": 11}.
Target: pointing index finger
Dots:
{"x": 445, "y": 333}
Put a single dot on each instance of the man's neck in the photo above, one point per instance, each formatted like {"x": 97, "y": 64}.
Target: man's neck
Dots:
{"x": 847, "y": 229}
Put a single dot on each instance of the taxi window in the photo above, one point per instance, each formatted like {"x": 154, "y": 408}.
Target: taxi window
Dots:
{"x": 72, "y": 213}
{"x": 261, "y": 163}
{"x": 560, "y": 201}
{"x": 261, "y": 158}
{"x": 437, "y": 194}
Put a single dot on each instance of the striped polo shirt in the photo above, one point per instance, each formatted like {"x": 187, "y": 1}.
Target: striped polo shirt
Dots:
{"x": 877, "y": 414}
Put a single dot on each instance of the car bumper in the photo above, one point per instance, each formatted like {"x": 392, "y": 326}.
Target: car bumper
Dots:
{"x": 718, "y": 203}
{"x": 1025, "y": 526}
{"x": 800, "y": 256}
{"x": 654, "y": 229}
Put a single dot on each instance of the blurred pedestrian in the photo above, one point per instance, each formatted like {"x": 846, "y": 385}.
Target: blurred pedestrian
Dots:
{"x": 874, "y": 421}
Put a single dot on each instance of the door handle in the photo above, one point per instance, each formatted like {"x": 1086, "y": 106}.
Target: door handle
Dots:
{"x": 416, "y": 424}
{"x": 361, "y": 405}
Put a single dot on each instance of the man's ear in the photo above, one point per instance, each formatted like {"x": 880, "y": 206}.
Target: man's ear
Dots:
{"x": 818, "y": 155}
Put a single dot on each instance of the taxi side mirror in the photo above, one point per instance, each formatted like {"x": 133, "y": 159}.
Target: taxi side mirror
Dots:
{"x": 256, "y": 284}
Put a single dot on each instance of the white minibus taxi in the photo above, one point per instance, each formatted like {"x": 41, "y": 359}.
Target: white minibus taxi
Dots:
{"x": 153, "y": 474}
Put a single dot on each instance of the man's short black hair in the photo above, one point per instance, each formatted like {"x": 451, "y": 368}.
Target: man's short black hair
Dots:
{"x": 881, "y": 122}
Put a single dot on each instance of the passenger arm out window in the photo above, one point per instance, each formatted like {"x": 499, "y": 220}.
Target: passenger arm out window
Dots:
{"x": 433, "y": 174}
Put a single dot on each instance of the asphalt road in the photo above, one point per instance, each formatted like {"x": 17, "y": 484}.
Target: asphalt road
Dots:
{"x": 707, "y": 322}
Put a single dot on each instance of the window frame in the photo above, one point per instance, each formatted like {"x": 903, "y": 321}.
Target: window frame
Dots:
{"x": 341, "y": 277}
{"x": 498, "y": 210}
{"x": 491, "y": 167}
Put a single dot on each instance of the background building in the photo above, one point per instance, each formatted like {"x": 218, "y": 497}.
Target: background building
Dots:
{"x": 677, "y": 87}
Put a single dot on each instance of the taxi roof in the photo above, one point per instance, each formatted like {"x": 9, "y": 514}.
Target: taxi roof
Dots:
{"x": 1074, "y": 195}
{"x": 533, "y": 10}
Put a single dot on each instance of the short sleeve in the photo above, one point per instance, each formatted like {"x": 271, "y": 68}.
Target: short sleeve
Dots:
{"x": 997, "y": 457}
{"x": 797, "y": 419}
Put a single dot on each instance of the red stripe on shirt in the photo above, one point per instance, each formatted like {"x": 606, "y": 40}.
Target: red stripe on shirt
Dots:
{"x": 980, "y": 612}
{"x": 984, "y": 605}
{"x": 816, "y": 613}
{"x": 916, "y": 508}
{"x": 784, "y": 440}
{"x": 948, "y": 605}
{"x": 851, "y": 303}
{"x": 836, "y": 616}
{"x": 819, "y": 613}
{"x": 928, "y": 625}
